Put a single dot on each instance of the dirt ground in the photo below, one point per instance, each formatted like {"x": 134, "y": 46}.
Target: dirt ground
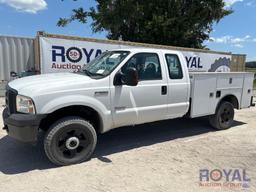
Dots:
{"x": 162, "y": 156}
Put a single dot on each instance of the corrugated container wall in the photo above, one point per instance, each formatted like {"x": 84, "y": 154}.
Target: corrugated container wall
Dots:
{"x": 16, "y": 54}
{"x": 238, "y": 62}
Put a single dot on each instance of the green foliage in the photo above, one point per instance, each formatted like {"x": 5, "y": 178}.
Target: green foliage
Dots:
{"x": 251, "y": 64}
{"x": 78, "y": 14}
{"x": 252, "y": 69}
{"x": 170, "y": 22}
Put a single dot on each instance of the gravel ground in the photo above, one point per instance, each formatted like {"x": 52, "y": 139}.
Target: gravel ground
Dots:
{"x": 163, "y": 156}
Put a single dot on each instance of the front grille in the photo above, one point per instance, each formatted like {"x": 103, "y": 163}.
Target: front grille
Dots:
{"x": 10, "y": 99}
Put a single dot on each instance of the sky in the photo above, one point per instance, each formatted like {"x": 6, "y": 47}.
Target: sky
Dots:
{"x": 235, "y": 33}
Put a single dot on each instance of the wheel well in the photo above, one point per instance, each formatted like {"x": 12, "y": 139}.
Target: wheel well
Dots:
{"x": 231, "y": 99}
{"x": 81, "y": 111}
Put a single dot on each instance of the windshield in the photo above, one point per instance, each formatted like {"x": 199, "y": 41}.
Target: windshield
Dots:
{"x": 103, "y": 65}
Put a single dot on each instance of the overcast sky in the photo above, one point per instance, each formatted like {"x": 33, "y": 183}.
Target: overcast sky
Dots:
{"x": 235, "y": 33}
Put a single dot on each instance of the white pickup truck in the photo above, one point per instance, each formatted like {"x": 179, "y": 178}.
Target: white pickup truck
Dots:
{"x": 119, "y": 88}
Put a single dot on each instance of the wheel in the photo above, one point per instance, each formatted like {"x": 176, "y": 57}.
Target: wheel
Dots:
{"x": 224, "y": 116}
{"x": 70, "y": 140}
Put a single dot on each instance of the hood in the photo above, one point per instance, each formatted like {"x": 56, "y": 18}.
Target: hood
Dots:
{"x": 32, "y": 85}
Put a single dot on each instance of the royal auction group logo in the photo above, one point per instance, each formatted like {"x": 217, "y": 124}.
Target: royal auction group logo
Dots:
{"x": 72, "y": 58}
{"x": 224, "y": 178}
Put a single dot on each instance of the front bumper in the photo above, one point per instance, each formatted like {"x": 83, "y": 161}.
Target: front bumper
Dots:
{"x": 22, "y": 127}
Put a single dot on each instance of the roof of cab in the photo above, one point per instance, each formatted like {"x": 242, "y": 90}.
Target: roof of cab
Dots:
{"x": 137, "y": 50}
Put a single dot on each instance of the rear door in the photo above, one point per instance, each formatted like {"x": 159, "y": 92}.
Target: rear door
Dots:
{"x": 178, "y": 84}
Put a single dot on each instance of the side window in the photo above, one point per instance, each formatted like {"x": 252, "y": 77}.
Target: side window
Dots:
{"x": 147, "y": 65}
{"x": 174, "y": 66}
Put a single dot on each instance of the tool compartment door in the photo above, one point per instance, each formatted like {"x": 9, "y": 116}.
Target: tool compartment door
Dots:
{"x": 247, "y": 90}
{"x": 203, "y": 89}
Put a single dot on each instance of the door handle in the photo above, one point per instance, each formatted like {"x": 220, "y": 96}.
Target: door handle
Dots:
{"x": 164, "y": 90}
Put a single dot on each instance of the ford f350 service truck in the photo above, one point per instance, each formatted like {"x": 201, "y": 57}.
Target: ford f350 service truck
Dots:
{"x": 119, "y": 88}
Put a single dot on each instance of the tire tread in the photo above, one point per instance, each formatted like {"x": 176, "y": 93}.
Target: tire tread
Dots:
{"x": 213, "y": 119}
{"x": 56, "y": 127}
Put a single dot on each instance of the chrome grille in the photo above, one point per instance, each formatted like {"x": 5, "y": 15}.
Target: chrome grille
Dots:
{"x": 6, "y": 100}
{"x": 10, "y": 99}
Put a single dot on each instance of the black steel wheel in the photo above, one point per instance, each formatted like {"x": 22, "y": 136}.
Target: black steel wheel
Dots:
{"x": 224, "y": 116}
{"x": 69, "y": 141}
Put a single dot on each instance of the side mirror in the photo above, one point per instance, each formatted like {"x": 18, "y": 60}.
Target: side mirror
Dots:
{"x": 13, "y": 74}
{"x": 130, "y": 77}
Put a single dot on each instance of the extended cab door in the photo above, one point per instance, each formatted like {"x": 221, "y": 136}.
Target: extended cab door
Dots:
{"x": 178, "y": 84}
{"x": 145, "y": 102}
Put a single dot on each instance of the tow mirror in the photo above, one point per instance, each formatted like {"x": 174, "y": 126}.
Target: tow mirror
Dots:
{"x": 13, "y": 74}
{"x": 130, "y": 77}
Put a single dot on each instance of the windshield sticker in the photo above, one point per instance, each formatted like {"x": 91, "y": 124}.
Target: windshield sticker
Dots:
{"x": 100, "y": 71}
{"x": 114, "y": 56}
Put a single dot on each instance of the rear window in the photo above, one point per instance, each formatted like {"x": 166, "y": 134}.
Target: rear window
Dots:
{"x": 174, "y": 66}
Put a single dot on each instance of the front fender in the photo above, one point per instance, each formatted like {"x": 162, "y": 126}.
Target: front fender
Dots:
{"x": 71, "y": 100}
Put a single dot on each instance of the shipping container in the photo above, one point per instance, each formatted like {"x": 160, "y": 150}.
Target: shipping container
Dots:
{"x": 238, "y": 62}
{"x": 16, "y": 54}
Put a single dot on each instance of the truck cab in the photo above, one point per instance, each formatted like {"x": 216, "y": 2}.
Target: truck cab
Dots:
{"x": 118, "y": 88}
{"x": 162, "y": 90}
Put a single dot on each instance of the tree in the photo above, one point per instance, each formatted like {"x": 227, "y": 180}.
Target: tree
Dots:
{"x": 184, "y": 23}
{"x": 251, "y": 64}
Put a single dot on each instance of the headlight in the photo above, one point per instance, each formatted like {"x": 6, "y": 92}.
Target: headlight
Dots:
{"x": 24, "y": 104}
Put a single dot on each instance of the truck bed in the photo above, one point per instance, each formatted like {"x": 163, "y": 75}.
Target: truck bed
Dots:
{"x": 208, "y": 88}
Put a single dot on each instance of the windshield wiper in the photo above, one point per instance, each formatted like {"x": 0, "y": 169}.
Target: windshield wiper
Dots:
{"x": 87, "y": 72}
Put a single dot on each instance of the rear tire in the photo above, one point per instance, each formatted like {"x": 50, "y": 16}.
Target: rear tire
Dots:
{"x": 70, "y": 140}
{"x": 224, "y": 116}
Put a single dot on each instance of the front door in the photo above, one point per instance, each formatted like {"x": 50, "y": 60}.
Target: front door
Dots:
{"x": 145, "y": 102}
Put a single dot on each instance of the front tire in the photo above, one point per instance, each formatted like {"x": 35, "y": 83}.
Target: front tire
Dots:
{"x": 224, "y": 116}
{"x": 70, "y": 140}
